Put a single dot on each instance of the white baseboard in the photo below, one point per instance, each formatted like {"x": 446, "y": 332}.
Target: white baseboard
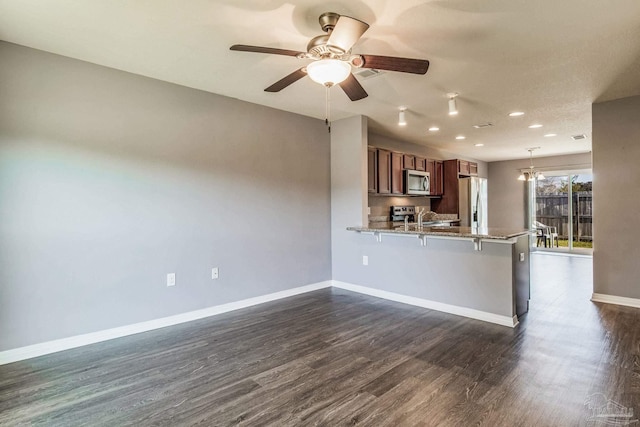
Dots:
{"x": 49, "y": 347}
{"x": 612, "y": 299}
{"x": 512, "y": 322}
{"x": 41, "y": 349}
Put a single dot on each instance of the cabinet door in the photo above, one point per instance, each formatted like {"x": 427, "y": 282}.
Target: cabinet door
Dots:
{"x": 421, "y": 164}
{"x": 463, "y": 167}
{"x": 429, "y": 167}
{"x": 409, "y": 161}
{"x": 396, "y": 173}
{"x": 473, "y": 169}
{"x": 384, "y": 171}
{"x": 372, "y": 169}
{"x": 438, "y": 176}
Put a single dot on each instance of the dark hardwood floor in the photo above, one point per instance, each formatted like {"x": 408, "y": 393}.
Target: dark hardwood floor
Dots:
{"x": 333, "y": 357}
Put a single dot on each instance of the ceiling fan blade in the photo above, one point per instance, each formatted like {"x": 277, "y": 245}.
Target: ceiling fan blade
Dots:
{"x": 391, "y": 63}
{"x": 346, "y": 33}
{"x": 286, "y": 81}
{"x": 260, "y": 49}
{"x": 352, "y": 87}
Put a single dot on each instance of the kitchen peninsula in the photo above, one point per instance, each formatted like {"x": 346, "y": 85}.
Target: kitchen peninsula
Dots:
{"x": 478, "y": 273}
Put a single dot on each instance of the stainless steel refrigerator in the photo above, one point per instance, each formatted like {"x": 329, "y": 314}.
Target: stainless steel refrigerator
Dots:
{"x": 473, "y": 202}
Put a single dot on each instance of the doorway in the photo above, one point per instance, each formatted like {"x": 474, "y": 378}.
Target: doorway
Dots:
{"x": 562, "y": 209}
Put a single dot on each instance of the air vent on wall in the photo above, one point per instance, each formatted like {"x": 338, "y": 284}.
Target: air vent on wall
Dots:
{"x": 579, "y": 137}
{"x": 367, "y": 73}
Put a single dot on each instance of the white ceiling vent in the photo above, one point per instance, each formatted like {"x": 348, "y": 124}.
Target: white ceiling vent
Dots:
{"x": 483, "y": 125}
{"x": 579, "y": 137}
{"x": 367, "y": 73}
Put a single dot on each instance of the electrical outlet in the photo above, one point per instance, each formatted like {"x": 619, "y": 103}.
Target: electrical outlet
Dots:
{"x": 171, "y": 279}
{"x": 521, "y": 256}
{"x": 368, "y": 211}
{"x": 365, "y": 260}
{"x": 215, "y": 273}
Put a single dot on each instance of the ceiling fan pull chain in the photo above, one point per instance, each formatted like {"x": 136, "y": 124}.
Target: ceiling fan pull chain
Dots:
{"x": 327, "y": 112}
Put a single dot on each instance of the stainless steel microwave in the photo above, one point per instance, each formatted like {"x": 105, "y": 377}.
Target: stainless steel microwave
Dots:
{"x": 417, "y": 182}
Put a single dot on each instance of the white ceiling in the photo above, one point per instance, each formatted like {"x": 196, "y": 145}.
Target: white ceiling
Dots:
{"x": 549, "y": 58}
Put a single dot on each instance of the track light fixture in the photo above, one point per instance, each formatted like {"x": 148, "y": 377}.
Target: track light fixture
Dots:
{"x": 453, "y": 107}
{"x": 402, "y": 119}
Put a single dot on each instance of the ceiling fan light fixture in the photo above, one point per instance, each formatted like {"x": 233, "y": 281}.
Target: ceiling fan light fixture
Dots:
{"x": 328, "y": 72}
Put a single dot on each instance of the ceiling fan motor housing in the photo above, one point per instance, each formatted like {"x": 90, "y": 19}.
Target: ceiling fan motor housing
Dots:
{"x": 318, "y": 46}
{"x": 328, "y": 20}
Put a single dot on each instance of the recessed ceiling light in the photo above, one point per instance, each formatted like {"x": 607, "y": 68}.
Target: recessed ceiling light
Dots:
{"x": 516, "y": 114}
{"x": 460, "y": 137}
{"x": 479, "y": 145}
{"x": 536, "y": 126}
{"x": 434, "y": 129}
{"x": 548, "y": 135}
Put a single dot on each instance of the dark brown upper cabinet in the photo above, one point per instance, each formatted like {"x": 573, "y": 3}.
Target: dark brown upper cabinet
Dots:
{"x": 372, "y": 169}
{"x": 437, "y": 180}
{"x": 397, "y": 186}
{"x": 384, "y": 171}
{"x": 467, "y": 168}
{"x": 409, "y": 161}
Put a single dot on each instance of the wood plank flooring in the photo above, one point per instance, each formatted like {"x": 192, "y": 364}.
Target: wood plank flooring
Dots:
{"x": 334, "y": 358}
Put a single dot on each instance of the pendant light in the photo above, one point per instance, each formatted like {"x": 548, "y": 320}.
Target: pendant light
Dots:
{"x": 531, "y": 174}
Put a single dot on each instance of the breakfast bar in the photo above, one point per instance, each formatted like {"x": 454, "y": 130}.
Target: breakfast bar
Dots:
{"x": 478, "y": 273}
{"x": 472, "y": 234}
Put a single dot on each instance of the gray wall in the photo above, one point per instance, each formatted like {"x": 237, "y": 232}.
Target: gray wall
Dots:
{"x": 508, "y": 196}
{"x": 348, "y": 183}
{"x": 109, "y": 181}
{"x": 616, "y": 205}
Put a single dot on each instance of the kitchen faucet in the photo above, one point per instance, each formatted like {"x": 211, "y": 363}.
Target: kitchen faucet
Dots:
{"x": 420, "y": 216}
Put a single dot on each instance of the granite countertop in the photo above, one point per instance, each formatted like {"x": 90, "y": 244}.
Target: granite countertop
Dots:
{"x": 443, "y": 231}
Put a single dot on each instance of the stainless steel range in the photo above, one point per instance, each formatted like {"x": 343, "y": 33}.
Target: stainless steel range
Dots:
{"x": 399, "y": 213}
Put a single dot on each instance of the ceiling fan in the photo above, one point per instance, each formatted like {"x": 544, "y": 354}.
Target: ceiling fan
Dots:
{"x": 332, "y": 57}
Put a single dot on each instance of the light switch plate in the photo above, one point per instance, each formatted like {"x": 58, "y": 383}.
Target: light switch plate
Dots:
{"x": 521, "y": 256}
{"x": 171, "y": 279}
{"x": 215, "y": 273}
{"x": 365, "y": 260}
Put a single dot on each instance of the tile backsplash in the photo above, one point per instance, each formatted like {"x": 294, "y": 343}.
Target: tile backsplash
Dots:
{"x": 380, "y": 205}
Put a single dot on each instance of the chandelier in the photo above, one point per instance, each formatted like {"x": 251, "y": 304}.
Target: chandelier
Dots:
{"x": 531, "y": 174}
